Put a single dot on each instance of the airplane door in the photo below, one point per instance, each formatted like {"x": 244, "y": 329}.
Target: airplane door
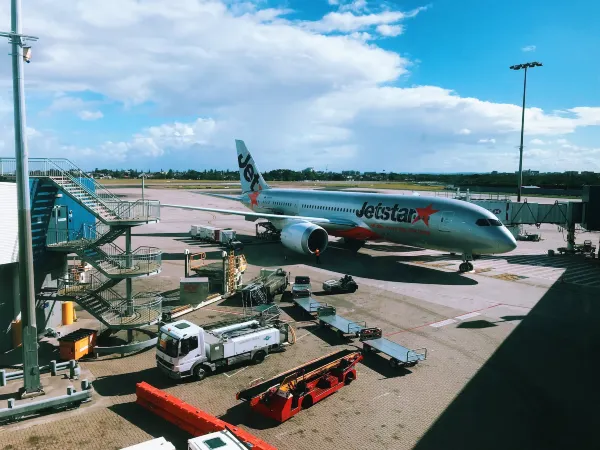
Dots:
{"x": 446, "y": 221}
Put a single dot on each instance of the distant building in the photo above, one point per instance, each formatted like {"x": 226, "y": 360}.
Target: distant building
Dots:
{"x": 571, "y": 172}
{"x": 587, "y": 173}
{"x": 494, "y": 172}
{"x": 350, "y": 173}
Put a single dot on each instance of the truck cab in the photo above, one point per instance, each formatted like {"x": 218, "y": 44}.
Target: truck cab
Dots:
{"x": 301, "y": 287}
{"x": 180, "y": 345}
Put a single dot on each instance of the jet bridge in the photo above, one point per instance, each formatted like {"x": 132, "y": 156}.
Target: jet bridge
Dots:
{"x": 564, "y": 213}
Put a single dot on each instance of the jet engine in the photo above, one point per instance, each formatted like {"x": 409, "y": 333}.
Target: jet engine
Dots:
{"x": 304, "y": 237}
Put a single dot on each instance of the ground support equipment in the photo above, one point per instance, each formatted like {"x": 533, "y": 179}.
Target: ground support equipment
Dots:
{"x": 373, "y": 341}
{"x": 288, "y": 393}
{"x": 328, "y": 317}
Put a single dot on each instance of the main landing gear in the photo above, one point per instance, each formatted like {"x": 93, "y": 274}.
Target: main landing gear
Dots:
{"x": 466, "y": 265}
{"x": 354, "y": 245}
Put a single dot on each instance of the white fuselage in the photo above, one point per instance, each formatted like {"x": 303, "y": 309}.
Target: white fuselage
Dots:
{"x": 421, "y": 221}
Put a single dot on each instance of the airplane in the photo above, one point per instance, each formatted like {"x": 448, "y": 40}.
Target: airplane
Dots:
{"x": 306, "y": 218}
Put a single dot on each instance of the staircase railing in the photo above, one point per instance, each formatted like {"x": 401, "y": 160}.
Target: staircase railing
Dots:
{"x": 59, "y": 167}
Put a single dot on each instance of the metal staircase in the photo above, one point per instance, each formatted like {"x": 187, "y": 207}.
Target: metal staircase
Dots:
{"x": 94, "y": 245}
{"x": 97, "y": 296}
{"x": 85, "y": 190}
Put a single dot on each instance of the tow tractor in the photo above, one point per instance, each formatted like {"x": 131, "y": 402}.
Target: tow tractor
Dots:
{"x": 587, "y": 248}
{"x": 288, "y": 393}
{"x": 301, "y": 287}
{"x": 344, "y": 284}
{"x": 185, "y": 349}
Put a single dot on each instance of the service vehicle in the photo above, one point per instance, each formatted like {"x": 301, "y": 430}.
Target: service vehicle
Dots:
{"x": 301, "y": 287}
{"x": 344, "y": 284}
{"x": 184, "y": 349}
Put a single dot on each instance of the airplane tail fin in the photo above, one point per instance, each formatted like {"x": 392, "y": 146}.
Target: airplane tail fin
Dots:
{"x": 250, "y": 176}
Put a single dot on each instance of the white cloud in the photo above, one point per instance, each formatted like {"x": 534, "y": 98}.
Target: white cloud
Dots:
{"x": 90, "y": 115}
{"x": 529, "y": 48}
{"x": 487, "y": 141}
{"x": 296, "y": 91}
{"x": 389, "y": 30}
{"x": 537, "y": 142}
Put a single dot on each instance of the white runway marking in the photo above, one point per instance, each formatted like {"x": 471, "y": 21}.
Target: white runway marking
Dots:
{"x": 467, "y": 316}
{"x": 442, "y": 323}
{"x": 235, "y": 373}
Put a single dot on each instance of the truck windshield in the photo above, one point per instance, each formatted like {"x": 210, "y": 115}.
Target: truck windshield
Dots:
{"x": 168, "y": 344}
{"x": 302, "y": 280}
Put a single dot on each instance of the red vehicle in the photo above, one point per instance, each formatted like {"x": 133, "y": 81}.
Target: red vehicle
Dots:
{"x": 288, "y": 393}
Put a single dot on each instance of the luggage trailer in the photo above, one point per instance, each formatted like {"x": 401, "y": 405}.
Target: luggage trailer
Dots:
{"x": 288, "y": 393}
{"x": 371, "y": 338}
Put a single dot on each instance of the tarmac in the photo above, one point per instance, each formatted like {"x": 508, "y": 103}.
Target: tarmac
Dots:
{"x": 510, "y": 349}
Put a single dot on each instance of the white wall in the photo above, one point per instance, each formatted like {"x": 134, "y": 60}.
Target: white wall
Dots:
{"x": 9, "y": 247}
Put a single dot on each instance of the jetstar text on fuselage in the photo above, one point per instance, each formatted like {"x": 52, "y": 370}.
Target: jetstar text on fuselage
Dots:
{"x": 392, "y": 213}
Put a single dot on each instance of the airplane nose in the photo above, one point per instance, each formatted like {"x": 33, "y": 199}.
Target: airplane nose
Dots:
{"x": 507, "y": 243}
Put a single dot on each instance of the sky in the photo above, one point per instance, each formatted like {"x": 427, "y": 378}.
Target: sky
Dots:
{"x": 405, "y": 86}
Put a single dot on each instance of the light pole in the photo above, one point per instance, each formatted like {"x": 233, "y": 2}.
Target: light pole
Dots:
{"x": 519, "y": 67}
{"x": 20, "y": 52}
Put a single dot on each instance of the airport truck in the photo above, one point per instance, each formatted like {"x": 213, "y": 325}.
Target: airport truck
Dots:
{"x": 184, "y": 349}
{"x": 301, "y": 287}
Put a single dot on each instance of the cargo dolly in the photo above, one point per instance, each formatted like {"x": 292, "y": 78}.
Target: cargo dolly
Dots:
{"x": 308, "y": 304}
{"x": 288, "y": 393}
{"x": 373, "y": 341}
{"x": 328, "y": 317}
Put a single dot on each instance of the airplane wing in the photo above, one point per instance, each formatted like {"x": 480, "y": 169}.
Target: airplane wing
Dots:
{"x": 249, "y": 215}
{"x": 227, "y": 196}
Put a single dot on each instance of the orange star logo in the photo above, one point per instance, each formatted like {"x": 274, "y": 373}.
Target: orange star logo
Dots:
{"x": 424, "y": 214}
{"x": 254, "y": 197}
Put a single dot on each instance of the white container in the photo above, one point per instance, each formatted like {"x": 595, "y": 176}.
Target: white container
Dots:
{"x": 206, "y": 232}
{"x": 227, "y": 235}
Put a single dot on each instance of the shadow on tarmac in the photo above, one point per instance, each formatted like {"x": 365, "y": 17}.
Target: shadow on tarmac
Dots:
{"x": 124, "y": 384}
{"x": 384, "y": 268}
{"x": 539, "y": 390}
{"x": 152, "y": 424}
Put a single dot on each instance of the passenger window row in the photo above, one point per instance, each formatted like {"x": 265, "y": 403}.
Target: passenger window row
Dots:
{"x": 328, "y": 208}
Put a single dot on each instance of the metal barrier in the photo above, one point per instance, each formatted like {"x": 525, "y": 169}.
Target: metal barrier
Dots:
{"x": 53, "y": 368}
{"x": 15, "y": 412}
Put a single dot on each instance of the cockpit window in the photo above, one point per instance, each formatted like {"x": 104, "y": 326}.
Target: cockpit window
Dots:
{"x": 488, "y": 222}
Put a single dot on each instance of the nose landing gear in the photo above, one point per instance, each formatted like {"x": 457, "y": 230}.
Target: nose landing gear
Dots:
{"x": 466, "y": 265}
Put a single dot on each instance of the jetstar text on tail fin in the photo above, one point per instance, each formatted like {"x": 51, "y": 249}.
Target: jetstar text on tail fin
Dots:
{"x": 249, "y": 175}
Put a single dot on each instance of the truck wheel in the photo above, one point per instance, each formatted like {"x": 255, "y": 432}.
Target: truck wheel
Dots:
{"x": 258, "y": 357}
{"x": 307, "y": 402}
{"x": 349, "y": 378}
{"x": 200, "y": 372}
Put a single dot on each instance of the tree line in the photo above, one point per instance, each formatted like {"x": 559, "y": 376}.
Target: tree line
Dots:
{"x": 566, "y": 180}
